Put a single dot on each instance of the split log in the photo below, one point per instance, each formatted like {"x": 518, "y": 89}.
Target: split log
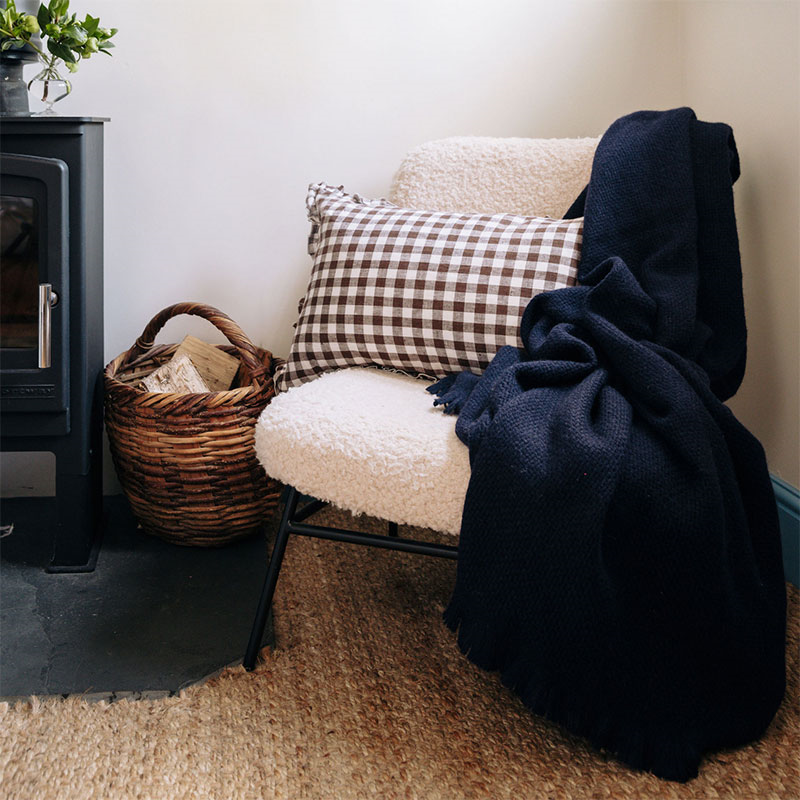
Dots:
{"x": 216, "y": 367}
{"x": 178, "y": 375}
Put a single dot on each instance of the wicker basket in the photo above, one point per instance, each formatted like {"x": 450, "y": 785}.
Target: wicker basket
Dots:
{"x": 186, "y": 461}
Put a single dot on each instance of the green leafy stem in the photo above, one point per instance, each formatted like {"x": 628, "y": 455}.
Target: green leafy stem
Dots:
{"x": 64, "y": 36}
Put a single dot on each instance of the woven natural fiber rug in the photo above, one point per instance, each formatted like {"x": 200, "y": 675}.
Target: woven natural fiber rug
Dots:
{"x": 366, "y": 696}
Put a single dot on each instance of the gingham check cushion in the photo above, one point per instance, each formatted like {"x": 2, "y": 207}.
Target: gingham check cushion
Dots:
{"x": 424, "y": 292}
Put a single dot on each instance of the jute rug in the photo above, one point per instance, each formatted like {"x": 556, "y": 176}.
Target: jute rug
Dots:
{"x": 365, "y": 696}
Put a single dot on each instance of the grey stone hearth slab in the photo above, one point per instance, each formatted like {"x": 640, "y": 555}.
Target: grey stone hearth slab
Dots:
{"x": 152, "y": 617}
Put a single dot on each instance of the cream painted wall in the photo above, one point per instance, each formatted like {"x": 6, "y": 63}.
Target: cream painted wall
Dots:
{"x": 741, "y": 64}
{"x": 218, "y": 127}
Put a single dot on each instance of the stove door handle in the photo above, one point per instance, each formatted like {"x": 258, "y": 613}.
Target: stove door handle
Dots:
{"x": 47, "y": 299}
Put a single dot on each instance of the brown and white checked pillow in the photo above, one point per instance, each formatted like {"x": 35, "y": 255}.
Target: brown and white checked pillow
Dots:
{"x": 425, "y": 292}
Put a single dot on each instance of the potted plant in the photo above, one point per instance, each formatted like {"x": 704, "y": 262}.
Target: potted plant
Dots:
{"x": 66, "y": 40}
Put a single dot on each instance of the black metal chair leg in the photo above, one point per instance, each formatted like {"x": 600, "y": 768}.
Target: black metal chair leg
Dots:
{"x": 271, "y": 580}
{"x": 292, "y": 522}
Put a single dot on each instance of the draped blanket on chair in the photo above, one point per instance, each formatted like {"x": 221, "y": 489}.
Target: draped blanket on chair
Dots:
{"x": 619, "y": 560}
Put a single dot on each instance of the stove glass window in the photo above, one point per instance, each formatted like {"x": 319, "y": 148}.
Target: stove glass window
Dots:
{"x": 19, "y": 272}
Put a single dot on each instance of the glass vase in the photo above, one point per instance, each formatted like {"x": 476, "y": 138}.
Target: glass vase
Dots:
{"x": 49, "y": 87}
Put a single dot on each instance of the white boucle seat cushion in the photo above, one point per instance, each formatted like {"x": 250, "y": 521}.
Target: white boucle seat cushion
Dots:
{"x": 371, "y": 442}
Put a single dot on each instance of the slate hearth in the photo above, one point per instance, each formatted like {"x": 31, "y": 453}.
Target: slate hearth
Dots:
{"x": 152, "y": 616}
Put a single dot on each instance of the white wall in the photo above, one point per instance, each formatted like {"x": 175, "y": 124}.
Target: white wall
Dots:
{"x": 219, "y": 124}
{"x": 221, "y": 114}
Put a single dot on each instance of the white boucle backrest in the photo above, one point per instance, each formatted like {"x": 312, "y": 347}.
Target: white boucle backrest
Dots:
{"x": 484, "y": 175}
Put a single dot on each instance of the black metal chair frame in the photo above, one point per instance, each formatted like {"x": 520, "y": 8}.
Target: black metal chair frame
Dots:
{"x": 293, "y": 521}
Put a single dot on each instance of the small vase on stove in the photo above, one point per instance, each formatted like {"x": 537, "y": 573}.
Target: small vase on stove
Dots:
{"x": 13, "y": 89}
{"x": 49, "y": 87}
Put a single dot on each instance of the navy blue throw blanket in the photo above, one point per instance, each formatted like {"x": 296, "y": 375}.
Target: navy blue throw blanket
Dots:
{"x": 619, "y": 560}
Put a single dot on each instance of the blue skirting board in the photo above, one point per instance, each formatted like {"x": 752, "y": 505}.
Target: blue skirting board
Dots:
{"x": 788, "y": 499}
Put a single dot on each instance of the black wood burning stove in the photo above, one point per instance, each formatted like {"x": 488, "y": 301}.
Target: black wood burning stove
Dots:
{"x": 51, "y": 314}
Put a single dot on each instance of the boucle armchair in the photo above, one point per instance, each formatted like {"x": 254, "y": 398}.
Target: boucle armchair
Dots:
{"x": 370, "y": 440}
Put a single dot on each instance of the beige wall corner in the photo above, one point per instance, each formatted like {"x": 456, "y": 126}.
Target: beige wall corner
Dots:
{"x": 742, "y": 66}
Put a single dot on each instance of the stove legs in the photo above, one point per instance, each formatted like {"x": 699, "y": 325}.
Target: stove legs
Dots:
{"x": 79, "y": 527}
{"x": 79, "y": 492}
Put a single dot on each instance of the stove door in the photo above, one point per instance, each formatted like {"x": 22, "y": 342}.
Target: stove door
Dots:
{"x": 34, "y": 285}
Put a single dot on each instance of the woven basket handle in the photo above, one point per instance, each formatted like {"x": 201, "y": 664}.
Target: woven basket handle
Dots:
{"x": 222, "y": 322}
